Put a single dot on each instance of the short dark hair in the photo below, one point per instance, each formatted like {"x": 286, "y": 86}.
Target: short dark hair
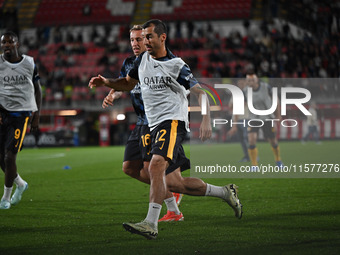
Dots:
{"x": 10, "y": 33}
{"x": 250, "y": 71}
{"x": 160, "y": 27}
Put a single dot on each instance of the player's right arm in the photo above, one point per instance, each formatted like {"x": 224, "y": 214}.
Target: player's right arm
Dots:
{"x": 120, "y": 84}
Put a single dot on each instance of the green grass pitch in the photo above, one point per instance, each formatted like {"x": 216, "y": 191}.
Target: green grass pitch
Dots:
{"x": 81, "y": 210}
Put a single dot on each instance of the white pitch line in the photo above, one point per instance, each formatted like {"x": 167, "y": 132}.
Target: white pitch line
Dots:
{"x": 58, "y": 155}
{"x": 49, "y": 156}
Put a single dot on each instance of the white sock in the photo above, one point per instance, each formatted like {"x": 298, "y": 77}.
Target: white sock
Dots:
{"x": 7, "y": 193}
{"x": 171, "y": 205}
{"x": 153, "y": 213}
{"x": 19, "y": 181}
{"x": 214, "y": 191}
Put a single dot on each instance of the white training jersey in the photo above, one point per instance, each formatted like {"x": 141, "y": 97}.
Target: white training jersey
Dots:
{"x": 164, "y": 97}
{"x": 16, "y": 85}
{"x": 312, "y": 120}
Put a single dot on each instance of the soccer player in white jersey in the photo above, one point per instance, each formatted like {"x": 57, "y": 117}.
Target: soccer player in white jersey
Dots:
{"x": 164, "y": 80}
{"x": 20, "y": 97}
{"x": 136, "y": 155}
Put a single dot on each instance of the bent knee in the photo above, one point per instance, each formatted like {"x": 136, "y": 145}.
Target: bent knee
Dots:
{"x": 158, "y": 164}
{"x": 130, "y": 169}
{"x": 129, "y": 172}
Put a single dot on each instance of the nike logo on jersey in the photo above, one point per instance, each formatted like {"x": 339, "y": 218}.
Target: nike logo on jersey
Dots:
{"x": 155, "y": 66}
{"x": 162, "y": 146}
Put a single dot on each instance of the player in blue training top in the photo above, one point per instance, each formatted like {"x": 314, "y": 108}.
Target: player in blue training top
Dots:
{"x": 20, "y": 96}
{"x": 136, "y": 148}
{"x": 164, "y": 81}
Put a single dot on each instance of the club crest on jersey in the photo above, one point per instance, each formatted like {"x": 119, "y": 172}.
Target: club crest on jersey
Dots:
{"x": 157, "y": 82}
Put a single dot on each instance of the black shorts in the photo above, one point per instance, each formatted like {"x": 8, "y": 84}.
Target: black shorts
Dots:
{"x": 166, "y": 141}
{"x": 134, "y": 149}
{"x": 12, "y": 132}
{"x": 269, "y": 131}
{"x": 182, "y": 162}
{"x": 138, "y": 147}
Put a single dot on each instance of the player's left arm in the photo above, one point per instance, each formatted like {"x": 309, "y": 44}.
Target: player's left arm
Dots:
{"x": 38, "y": 99}
{"x": 205, "y": 128}
{"x": 187, "y": 79}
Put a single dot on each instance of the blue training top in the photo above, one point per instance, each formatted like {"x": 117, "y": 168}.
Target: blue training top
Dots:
{"x": 136, "y": 96}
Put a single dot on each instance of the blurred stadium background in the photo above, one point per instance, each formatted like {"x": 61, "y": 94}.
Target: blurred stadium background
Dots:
{"x": 79, "y": 197}
{"x": 72, "y": 41}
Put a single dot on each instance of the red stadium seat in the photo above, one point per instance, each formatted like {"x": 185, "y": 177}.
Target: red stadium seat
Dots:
{"x": 61, "y": 12}
{"x": 206, "y": 10}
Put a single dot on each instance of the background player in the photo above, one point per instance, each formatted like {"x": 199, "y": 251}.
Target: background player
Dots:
{"x": 312, "y": 122}
{"x": 164, "y": 80}
{"x": 20, "y": 95}
{"x": 262, "y": 101}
